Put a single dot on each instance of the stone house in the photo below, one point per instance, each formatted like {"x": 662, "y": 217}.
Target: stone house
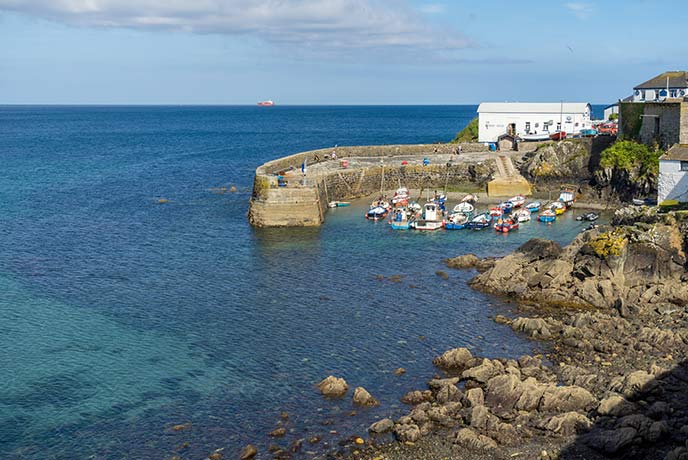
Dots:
{"x": 673, "y": 174}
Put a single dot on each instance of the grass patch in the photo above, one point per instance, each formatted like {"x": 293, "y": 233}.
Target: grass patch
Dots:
{"x": 468, "y": 134}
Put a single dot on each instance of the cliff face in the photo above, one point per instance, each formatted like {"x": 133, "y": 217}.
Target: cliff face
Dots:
{"x": 621, "y": 266}
{"x": 577, "y": 161}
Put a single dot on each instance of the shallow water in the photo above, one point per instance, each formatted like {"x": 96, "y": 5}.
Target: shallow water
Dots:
{"x": 122, "y": 317}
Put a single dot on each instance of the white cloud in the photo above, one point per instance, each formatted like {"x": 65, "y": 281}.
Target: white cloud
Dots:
{"x": 319, "y": 25}
{"x": 431, "y": 8}
{"x": 581, "y": 10}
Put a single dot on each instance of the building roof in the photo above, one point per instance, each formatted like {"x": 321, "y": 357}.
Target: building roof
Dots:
{"x": 677, "y": 79}
{"x": 533, "y": 107}
{"x": 676, "y": 152}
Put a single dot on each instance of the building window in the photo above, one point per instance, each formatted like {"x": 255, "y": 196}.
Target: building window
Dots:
{"x": 684, "y": 166}
{"x": 642, "y": 95}
{"x": 673, "y": 93}
{"x": 558, "y": 126}
{"x": 527, "y": 127}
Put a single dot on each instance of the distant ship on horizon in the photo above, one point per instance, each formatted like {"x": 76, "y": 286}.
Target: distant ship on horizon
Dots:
{"x": 267, "y": 103}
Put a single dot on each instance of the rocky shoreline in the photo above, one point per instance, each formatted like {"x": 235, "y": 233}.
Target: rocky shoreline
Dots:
{"x": 611, "y": 308}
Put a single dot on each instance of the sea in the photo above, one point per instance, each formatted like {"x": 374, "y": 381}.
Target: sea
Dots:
{"x": 135, "y": 328}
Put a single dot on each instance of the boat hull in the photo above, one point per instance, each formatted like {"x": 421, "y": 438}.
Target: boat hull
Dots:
{"x": 427, "y": 225}
{"x": 453, "y": 226}
{"x": 547, "y": 218}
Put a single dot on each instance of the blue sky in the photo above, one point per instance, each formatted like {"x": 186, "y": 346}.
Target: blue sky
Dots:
{"x": 333, "y": 51}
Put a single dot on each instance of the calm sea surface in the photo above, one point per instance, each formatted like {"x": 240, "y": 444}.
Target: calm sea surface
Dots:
{"x": 121, "y": 317}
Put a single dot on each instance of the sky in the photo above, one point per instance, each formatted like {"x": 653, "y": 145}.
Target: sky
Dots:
{"x": 305, "y": 52}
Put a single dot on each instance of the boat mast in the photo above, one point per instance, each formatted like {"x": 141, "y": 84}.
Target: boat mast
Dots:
{"x": 561, "y": 119}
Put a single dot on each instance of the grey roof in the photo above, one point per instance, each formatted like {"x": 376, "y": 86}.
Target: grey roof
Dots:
{"x": 677, "y": 79}
{"x": 676, "y": 152}
{"x": 533, "y": 107}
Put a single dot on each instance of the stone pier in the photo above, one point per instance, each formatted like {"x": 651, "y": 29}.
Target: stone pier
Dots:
{"x": 362, "y": 171}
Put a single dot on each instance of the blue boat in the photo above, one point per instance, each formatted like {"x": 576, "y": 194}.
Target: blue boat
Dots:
{"x": 547, "y": 216}
{"x": 456, "y": 221}
{"x": 591, "y": 132}
{"x": 376, "y": 213}
{"x": 507, "y": 207}
{"x": 480, "y": 221}
{"x": 400, "y": 220}
{"x": 534, "y": 206}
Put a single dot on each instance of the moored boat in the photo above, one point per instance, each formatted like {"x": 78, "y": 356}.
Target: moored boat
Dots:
{"x": 558, "y": 207}
{"x": 463, "y": 208}
{"x": 496, "y": 211}
{"x": 480, "y": 221}
{"x": 567, "y": 195}
{"x": 267, "y": 103}
{"x": 431, "y": 219}
{"x": 401, "y": 197}
{"x": 559, "y": 135}
{"x": 522, "y": 215}
{"x": 457, "y": 221}
{"x": 376, "y": 213}
{"x": 400, "y": 219}
{"x": 590, "y": 217}
{"x": 506, "y": 207}
{"x": 517, "y": 200}
{"x": 505, "y": 225}
{"x": 534, "y": 206}
{"x": 470, "y": 198}
{"x": 547, "y": 216}
{"x": 338, "y": 204}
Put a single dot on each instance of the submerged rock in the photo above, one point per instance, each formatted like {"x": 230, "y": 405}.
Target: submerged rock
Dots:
{"x": 381, "y": 426}
{"x": 248, "y": 452}
{"x": 363, "y": 398}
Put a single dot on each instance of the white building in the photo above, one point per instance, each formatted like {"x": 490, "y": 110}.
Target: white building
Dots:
{"x": 673, "y": 174}
{"x": 521, "y": 118}
{"x": 669, "y": 85}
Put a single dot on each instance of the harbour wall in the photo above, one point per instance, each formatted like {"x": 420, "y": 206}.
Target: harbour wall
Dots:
{"x": 303, "y": 202}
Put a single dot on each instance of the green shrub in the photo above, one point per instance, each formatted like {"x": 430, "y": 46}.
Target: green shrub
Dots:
{"x": 629, "y": 155}
{"x": 469, "y": 133}
{"x": 613, "y": 116}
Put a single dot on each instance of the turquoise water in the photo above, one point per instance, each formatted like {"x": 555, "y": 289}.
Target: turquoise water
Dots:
{"x": 122, "y": 317}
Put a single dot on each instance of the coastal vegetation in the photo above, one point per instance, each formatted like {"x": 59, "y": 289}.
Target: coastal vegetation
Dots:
{"x": 631, "y": 120}
{"x": 468, "y": 134}
{"x": 630, "y": 155}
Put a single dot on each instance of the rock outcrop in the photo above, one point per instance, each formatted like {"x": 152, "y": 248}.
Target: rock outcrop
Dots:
{"x": 624, "y": 267}
{"x": 333, "y": 387}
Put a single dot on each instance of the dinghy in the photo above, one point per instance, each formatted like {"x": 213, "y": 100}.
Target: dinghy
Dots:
{"x": 522, "y": 215}
{"x": 517, "y": 200}
{"x": 338, "y": 204}
{"x": 505, "y": 225}
{"x": 480, "y": 221}
{"x": 457, "y": 221}
{"x": 534, "y": 206}
{"x": 547, "y": 216}
{"x": 376, "y": 213}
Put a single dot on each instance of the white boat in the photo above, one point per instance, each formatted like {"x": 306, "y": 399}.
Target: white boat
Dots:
{"x": 431, "y": 218}
{"x": 517, "y": 200}
{"x": 464, "y": 208}
{"x": 522, "y": 215}
{"x": 338, "y": 204}
{"x": 456, "y": 221}
{"x": 470, "y": 198}
{"x": 536, "y": 137}
{"x": 401, "y": 197}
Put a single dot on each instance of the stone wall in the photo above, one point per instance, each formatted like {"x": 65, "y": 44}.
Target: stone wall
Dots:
{"x": 673, "y": 183}
{"x": 639, "y": 122}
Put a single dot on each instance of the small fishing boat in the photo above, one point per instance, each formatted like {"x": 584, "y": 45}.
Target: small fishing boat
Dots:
{"x": 400, "y": 197}
{"x": 376, "y": 213}
{"x": 338, "y": 204}
{"x": 590, "y": 217}
{"x": 517, "y": 200}
{"x": 470, "y": 198}
{"x": 567, "y": 195}
{"x": 440, "y": 200}
{"x": 400, "y": 220}
{"x": 591, "y": 132}
{"x": 496, "y": 211}
{"x": 637, "y": 202}
{"x": 505, "y": 225}
{"x": 456, "y": 221}
{"x": 522, "y": 215}
{"x": 507, "y": 207}
{"x": 414, "y": 207}
{"x": 463, "y": 208}
{"x": 431, "y": 219}
{"x": 534, "y": 206}
{"x": 535, "y": 137}
{"x": 558, "y": 207}
{"x": 559, "y": 135}
{"x": 547, "y": 216}
{"x": 480, "y": 221}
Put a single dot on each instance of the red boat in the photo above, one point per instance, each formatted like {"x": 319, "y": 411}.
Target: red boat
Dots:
{"x": 267, "y": 103}
{"x": 559, "y": 135}
{"x": 506, "y": 225}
